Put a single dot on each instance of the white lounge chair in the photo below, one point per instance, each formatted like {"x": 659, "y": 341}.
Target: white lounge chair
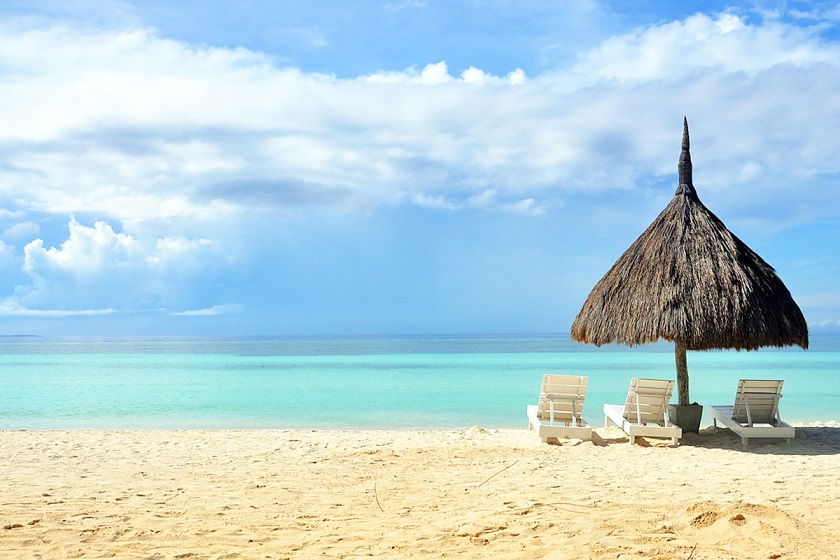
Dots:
{"x": 755, "y": 413}
{"x": 558, "y": 413}
{"x": 645, "y": 412}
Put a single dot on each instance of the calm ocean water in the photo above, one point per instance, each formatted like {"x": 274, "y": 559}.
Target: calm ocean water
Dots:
{"x": 365, "y": 382}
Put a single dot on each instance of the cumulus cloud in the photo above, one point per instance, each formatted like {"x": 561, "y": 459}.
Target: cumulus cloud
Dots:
{"x": 436, "y": 74}
{"x": 98, "y": 249}
{"x": 86, "y": 251}
{"x": 98, "y": 270}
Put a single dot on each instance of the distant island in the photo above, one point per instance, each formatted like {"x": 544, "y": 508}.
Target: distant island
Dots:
{"x": 20, "y": 336}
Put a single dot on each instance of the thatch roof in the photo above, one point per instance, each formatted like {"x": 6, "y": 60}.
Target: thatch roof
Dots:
{"x": 689, "y": 280}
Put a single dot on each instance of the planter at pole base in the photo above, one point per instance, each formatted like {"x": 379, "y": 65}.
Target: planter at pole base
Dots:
{"x": 686, "y": 416}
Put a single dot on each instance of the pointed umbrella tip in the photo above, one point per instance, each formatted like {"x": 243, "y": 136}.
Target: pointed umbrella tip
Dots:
{"x": 686, "y": 185}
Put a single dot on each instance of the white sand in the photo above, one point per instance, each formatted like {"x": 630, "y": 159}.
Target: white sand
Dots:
{"x": 415, "y": 494}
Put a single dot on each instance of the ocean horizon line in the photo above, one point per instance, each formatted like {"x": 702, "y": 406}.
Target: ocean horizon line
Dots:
{"x": 823, "y": 332}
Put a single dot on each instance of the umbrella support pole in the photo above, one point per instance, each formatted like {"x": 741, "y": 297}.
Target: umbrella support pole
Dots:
{"x": 682, "y": 374}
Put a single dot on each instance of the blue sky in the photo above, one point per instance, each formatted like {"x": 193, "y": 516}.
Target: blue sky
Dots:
{"x": 396, "y": 166}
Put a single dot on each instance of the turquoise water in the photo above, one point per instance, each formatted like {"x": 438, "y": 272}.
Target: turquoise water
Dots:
{"x": 393, "y": 382}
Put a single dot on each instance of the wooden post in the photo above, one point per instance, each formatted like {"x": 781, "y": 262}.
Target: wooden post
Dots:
{"x": 682, "y": 374}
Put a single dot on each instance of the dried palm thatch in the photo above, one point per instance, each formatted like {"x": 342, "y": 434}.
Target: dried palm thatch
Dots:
{"x": 689, "y": 280}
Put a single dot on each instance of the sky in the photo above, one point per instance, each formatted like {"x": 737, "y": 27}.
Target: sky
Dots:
{"x": 389, "y": 167}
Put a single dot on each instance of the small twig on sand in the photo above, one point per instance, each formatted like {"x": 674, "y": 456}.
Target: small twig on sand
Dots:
{"x": 690, "y": 556}
{"x": 560, "y": 507}
{"x": 376, "y": 495}
{"x": 501, "y": 471}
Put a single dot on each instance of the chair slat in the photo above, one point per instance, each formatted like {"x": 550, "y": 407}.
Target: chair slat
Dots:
{"x": 565, "y": 394}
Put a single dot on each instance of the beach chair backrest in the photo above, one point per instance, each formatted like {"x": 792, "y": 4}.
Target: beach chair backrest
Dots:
{"x": 647, "y": 400}
{"x": 757, "y": 401}
{"x": 565, "y": 394}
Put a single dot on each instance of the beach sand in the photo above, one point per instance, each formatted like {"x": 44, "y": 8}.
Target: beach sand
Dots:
{"x": 474, "y": 493}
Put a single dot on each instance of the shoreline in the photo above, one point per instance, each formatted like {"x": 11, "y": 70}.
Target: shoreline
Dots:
{"x": 384, "y": 428}
{"x": 425, "y": 493}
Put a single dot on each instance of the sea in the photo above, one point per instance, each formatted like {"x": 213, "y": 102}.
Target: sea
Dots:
{"x": 367, "y": 382}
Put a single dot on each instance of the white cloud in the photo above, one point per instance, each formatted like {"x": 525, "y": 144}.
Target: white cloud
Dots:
{"x": 526, "y": 206}
{"x": 98, "y": 270}
{"x": 435, "y": 74}
{"x": 22, "y": 230}
{"x": 177, "y": 156}
{"x": 222, "y": 309}
{"x": 483, "y": 200}
{"x": 86, "y": 251}
{"x": 98, "y": 250}
{"x": 178, "y": 250}
{"x": 146, "y": 128}
{"x": 824, "y": 324}
{"x": 725, "y": 44}
{"x": 166, "y": 136}
{"x": 473, "y": 75}
{"x": 11, "y": 308}
{"x": 434, "y": 201}
{"x": 729, "y": 22}
{"x": 517, "y": 77}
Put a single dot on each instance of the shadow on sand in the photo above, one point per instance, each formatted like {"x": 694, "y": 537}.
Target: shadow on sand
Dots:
{"x": 808, "y": 441}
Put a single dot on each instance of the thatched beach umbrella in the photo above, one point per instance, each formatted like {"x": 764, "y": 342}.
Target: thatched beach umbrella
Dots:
{"x": 689, "y": 280}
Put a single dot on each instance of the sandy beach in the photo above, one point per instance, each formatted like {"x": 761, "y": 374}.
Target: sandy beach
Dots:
{"x": 475, "y": 493}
